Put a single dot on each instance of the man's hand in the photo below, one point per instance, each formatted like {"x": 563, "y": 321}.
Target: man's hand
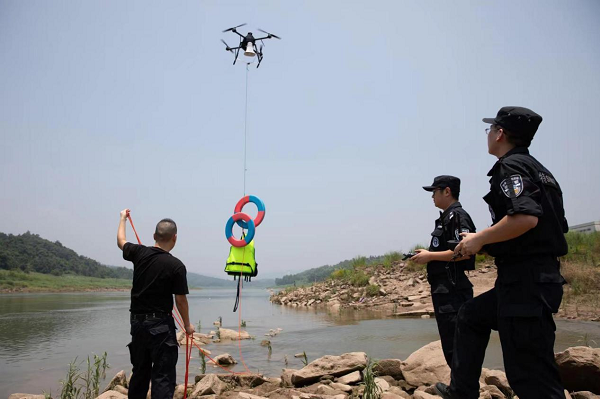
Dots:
{"x": 189, "y": 329}
{"x": 125, "y": 214}
{"x": 470, "y": 244}
{"x": 423, "y": 256}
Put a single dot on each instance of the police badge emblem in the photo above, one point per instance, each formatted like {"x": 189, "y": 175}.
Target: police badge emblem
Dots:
{"x": 517, "y": 185}
{"x": 435, "y": 242}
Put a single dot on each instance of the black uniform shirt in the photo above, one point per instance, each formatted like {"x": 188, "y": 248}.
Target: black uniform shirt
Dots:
{"x": 452, "y": 222}
{"x": 157, "y": 275}
{"x": 521, "y": 184}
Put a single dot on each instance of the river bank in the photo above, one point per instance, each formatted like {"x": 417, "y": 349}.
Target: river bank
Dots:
{"x": 12, "y": 281}
{"x": 402, "y": 290}
{"x": 355, "y": 375}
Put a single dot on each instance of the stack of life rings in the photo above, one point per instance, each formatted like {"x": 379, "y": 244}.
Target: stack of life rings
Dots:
{"x": 244, "y": 221}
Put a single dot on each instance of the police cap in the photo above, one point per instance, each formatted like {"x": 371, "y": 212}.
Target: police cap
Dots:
{"x": 443, "y": 182}
{"x": 519, "y": 121}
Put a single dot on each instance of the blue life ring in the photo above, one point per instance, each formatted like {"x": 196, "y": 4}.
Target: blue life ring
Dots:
{"x": 229, "y": 229}
{"x": 259, "y": 205}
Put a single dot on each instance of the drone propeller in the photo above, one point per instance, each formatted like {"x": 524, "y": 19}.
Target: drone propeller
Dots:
{"x": 227, "y": 46}
{"x": 270, "y": 34}
{"x": 234, "y": 28}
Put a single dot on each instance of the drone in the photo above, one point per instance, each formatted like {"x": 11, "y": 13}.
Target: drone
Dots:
{"x": 248, "y": 44}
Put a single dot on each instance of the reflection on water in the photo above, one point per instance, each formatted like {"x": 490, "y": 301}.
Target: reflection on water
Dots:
{"x": 41, "y": 333}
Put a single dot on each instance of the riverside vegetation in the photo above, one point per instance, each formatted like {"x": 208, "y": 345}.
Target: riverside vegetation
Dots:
{"x": 400, "y": 288}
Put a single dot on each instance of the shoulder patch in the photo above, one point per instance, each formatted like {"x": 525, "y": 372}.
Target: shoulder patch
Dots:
{"x": 546, "y": 178}
{"x": 516, "y": 183}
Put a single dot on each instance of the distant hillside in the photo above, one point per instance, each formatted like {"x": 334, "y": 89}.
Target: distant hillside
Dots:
{"x": 321, "y": 273}
{"x": 31, "y": 253}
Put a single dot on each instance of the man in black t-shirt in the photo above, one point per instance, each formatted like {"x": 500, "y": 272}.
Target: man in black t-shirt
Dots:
{"x": 157, "y": 276}
{"x": 450, "y": 286}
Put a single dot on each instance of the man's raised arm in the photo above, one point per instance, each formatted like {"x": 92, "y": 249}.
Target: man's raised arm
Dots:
{"x": 121, "y": 240}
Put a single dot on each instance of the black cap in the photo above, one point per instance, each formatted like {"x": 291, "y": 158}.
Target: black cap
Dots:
{"x": 519, "y": 121}
{"x": 443, "y": 182}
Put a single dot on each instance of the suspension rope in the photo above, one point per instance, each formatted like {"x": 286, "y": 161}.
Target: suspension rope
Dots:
{"x": 245, "y": 127}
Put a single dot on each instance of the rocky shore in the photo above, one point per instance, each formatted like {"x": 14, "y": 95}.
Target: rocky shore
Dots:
{"x": 352, "y": 375}
{"x": 397, "y": 291}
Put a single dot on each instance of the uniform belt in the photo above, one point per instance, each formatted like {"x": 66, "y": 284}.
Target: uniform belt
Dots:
{"x": 146, "y": 316}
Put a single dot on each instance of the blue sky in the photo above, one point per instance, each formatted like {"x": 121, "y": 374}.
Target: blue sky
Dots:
{"x": 107, "y": 105}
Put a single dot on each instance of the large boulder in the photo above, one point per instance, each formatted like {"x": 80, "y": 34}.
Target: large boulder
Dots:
{"x": 579, "y": 368}
{"x": 423, "y": 395}
{"x": 493, "y": 390}
{"x": 121, "y": 389}
{"x": 224, "y": 360}
{"x": 225, "y": 334}
{"x": 119, "y": 379}
{"x": 211, "y": 384}
{"x": 382, "y": 384}
{"x": 286, "y": 377}
{"x": 179, "y": 390}
{"x": 391, "y": 367}
{"x": 249, "y": 380}
{"x": 112, "y": 395}
{"x": 426, "y": 366}
{"x": 352, "y": 378}
{"x": 498, "y": 379}
{"x": 333, "y": 365}
{"x": 584, "y": 395}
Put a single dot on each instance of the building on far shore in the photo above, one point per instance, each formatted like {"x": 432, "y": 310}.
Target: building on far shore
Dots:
{"x": 589, "y": 227}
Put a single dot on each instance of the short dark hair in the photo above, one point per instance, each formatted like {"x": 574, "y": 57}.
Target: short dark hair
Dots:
{"x": 517, "y": 141}
{"x": 165, "y": 230}
{"x": 454, "y": 192}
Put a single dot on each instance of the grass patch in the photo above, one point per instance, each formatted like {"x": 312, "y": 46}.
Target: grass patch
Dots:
{"x": 583, "y": 248}
{"x": 582, "y": 278}
{"x": 356, "y": 277}
{"x": 15, "y": 280}
{"x": 84, "y": 384}
{"x": 372, "y": 390}
{"x": 372, "y": 290}
{"x": 391, "y": 258}
{"x": 359, "y": 261}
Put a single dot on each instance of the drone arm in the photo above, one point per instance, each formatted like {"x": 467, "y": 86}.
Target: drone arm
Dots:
{"x": 263, "y": 38}
{"x": 238, "y": 33}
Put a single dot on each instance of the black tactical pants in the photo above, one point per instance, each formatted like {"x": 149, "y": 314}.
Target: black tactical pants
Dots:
{"x": 153, "y": 352}
{"x": 448, "y": 296}
{"x": 520, "y": 308}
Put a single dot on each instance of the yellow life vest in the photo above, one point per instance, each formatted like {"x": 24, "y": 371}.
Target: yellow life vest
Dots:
{"x": 241, "y": 261}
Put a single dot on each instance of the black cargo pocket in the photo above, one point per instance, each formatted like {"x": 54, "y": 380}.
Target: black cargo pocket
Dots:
{"x": 159, "y": 329}
{"x": 448, "y": 308}
{"x": 524, "y": 325}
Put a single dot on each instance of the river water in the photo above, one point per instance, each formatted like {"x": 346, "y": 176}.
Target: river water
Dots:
{"x": 40, "y": 334}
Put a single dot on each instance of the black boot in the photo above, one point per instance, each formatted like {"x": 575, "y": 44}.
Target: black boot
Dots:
{"x": 443, "y": 391}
